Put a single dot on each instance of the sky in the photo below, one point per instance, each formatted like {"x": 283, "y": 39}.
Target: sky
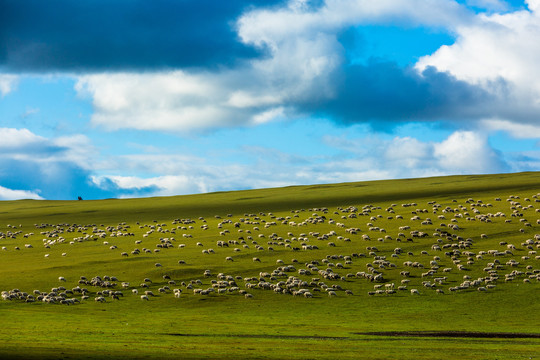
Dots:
{"x": 139, "y": 98}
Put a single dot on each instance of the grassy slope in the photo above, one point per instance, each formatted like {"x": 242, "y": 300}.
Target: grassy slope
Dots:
{"x": 269, "y": 325}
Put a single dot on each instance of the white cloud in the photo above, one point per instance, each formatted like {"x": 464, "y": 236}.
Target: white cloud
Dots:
{"x": 164, "y": 185}
{"x": 409, "y": 153}
{"x": 8, "y": 83}
{"x": 18, "y": 138}
{"x": 155, "y": 101}
{"x": 304, "y": 55}
{"x": 269, "y": 115}
{"x": 9, "y": 194}
{"x": 270, "y": 27}
{"x": 467, "y": 152}
{"x": 77, "y": 149}
{"x": 498, "y": 47}
{"x": 519, "y": 131}
{"x": 369, "y": 158}
{"x": 24, "y": 145}
{"x": 38, "y": 167}
{"x": 525, "y": 161}
{"x": 533, "y": 5}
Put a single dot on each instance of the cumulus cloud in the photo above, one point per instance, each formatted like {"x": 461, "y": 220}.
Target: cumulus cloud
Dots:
{"x": 7, "y": 83}
{"x": 498, "y": 47}
{"x": 463, "y": 152}
{"x": 468, "y": 152}
{"x": 293, "y": 62}
{"x": 177, "y": 101}
{"x": 9, "y": 194}
{"x": 60, "y": 168}
{"x": 369, "y": 158}
{"x": 18, "y": 139}
{"x": 306, "y": 73}
{"x": 303, "y": 65}
{"x": 519, "y": 131}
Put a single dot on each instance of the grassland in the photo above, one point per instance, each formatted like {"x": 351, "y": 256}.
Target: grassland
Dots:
{"x": 311, "y": 228}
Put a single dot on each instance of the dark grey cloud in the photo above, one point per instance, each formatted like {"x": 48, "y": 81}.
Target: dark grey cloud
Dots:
{"x": 101, "y": 35}
{"x": 381, "y": 92}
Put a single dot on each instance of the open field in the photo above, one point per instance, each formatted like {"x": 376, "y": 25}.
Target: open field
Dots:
{"x": 415, "y": 269}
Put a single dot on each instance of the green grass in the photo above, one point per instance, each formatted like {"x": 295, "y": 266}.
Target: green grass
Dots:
{"x": 270, "y": 325}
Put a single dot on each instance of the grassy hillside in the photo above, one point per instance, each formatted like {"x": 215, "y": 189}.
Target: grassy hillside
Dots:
{"x": 415, "y": 268}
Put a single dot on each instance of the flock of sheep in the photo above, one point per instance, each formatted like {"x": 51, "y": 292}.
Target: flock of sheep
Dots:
{"x": 346, "y": 251}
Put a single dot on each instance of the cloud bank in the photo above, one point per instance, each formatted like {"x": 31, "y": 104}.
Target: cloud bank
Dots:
{"x": 463, "y": 152}
{"x": 307, "y": 71}
{"x": 64, "y": 168}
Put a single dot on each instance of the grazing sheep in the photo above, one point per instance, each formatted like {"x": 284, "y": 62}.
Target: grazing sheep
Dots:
{"x": 415, "y": 291}
{"x": 144, "y": 297}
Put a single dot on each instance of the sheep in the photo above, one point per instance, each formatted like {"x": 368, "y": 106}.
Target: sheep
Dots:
{"x": 415, "y": 291}
{"x": 144, "y": 297}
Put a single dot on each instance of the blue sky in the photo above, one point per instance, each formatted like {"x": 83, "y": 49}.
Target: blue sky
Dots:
{"x": 105, "y": 99}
